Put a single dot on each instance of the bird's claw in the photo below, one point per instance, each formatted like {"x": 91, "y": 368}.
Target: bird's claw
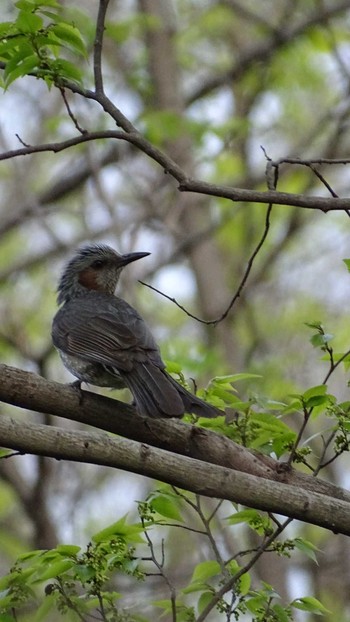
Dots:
{"x": 77, "y": 386}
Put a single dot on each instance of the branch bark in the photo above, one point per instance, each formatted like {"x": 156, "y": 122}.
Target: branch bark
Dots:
{"x": 200, "y": 477}
{"x": 187, "y": 184}
{"x": 292, "y": 496}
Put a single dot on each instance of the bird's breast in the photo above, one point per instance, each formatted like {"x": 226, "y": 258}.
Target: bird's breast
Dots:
{"x": 92, "y": 373}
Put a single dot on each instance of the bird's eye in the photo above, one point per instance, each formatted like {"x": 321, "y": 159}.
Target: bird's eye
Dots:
{"x": 98, "y": 264}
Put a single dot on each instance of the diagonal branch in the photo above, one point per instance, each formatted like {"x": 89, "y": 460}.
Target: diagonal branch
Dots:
{"x": 28, "y": 390}
{"x": 200, "y": 477}
{"x": 239, "y": 290}
{"x": 187, "y": 184}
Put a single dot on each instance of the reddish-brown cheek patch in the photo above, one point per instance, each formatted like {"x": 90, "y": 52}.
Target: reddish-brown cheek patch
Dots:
{"x": 87, "y": 278}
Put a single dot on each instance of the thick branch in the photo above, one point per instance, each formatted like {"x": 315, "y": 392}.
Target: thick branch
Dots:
{"x": 27, "y": 390}
{"x": 199, "y": 477}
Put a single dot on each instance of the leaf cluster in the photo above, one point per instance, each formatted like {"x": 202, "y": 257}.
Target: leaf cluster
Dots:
{"x": 37, "y": 43}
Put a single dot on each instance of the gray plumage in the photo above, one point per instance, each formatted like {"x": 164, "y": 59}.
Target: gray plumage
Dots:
{"x": 102, "y": 340}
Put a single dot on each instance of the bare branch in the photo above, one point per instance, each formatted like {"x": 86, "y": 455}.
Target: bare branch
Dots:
{"x": 186, "y": 184}
{"x": 199, "y": 477}
{"x": 28, "y": 390}
{"x": 70, "y": 112}
{"x": 100, "y": 26}
{"x": 239, "y": 289}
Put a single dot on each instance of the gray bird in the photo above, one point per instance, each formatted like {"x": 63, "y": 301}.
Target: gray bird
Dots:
{"x": 102, "y": 340}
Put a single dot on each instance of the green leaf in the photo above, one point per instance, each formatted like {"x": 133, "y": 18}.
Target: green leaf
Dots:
{"x": 130, "y": 533}
{"x": 163, "y": 604}
{"x": 44, "y": 609}
{"x": 280, "y": 613}
{"x": 84, "y": 573}
{"x": 256, "y": 521}
{"x": 244, "y": 516}
{"x": 66, "y": 70}
{"x": 53, "y": 570}
{"x": 25, "y": 5}
{"x": 255, "y": 604}
{"x": 173, "y": 367}
{"x": 70, "y": 35}
{"x": 306, "y": 547}
{"x": 204, "y": 600}
{"x": 235, "y": 377}
{"x": 5, "y": 452}
{"x": 24, "y": 51}
{"x": 320, "y": 339}
{"x": 23, "y": 68}
{"x": 6, "y": 28}
{"x": 317, "y": 325}
{"x": 68, "y": 549}
{"x": 28, "y": 22}
{"x": 347, "y": 263}
{"x": 309, "y": 603}
{"x": 30, "y": 555}
{"x": 317, "y": 396}
{"x": 166, "y": 506}
{"x": 195, "y": 587}
{"x": 205, "y": 570}
{"x": 244, "y": 584}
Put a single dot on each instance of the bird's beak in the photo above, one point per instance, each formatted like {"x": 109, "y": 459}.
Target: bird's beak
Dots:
{"x": 129, "y": 257}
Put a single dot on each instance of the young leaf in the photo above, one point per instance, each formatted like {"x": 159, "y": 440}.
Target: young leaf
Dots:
{"x": 244, "y": 584}
{"x": 166, "y": 507}
{"x": 28, "y": 22}
{"x": 205, "y": 570}
{"x": 204, "y": 600}
{"x": 71, "y": 36}
{"x": 244, "y": 516}
{"x": 306, "y": 547}
{"x": 280, "y": 613}
{"x": 131, "y": 533}
{"x": 309, "y": 603}
{"x": 347, "y": 263}
{"x": 53, "y": 570}
{"x": 68, "y": 549}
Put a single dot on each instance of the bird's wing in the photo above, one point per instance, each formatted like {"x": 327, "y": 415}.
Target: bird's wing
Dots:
{"x": 110, "y": 333}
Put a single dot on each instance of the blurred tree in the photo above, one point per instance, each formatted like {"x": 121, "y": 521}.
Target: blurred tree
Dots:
{"x": 206, "y": 84}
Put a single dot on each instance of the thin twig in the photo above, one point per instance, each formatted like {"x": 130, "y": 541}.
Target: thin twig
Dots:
{"x": 324, "y": 181}
{"x": 70, "y": 112}
{"x": 100, "y": 26}
{"x": 307, "y": 414}
{"x": 335, "y": 365}
{"x": 239, "y": 289}
{"x": 229, "y": 585}
{"x": 160, "y": 567}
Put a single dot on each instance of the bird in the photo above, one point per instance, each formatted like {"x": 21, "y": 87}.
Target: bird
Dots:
{"x": 102, "y": 340}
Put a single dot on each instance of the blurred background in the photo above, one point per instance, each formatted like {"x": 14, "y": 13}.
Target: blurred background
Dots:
{"x": 210, "y": 83}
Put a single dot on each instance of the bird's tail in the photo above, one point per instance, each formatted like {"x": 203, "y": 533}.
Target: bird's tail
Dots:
{"x": 157, "y": 394}
{"x": 193, "y": 404}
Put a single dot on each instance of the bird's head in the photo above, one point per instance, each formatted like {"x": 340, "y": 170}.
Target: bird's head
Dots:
{"x": 96, "y": 267}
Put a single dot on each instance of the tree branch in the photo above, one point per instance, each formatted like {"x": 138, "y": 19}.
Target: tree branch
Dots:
{"x": 100, "y": 26}
{"x": 200, "y": 477}
{"x": 28, "y": 390}
{"x": 187, "y": 184}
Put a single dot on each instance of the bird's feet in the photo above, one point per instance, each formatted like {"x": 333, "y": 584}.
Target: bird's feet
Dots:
{"x": 77, "y": 386}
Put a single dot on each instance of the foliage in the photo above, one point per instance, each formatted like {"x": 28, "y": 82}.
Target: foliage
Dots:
{"x": 35, "y": 41}
{"x": 78, "y": 583}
